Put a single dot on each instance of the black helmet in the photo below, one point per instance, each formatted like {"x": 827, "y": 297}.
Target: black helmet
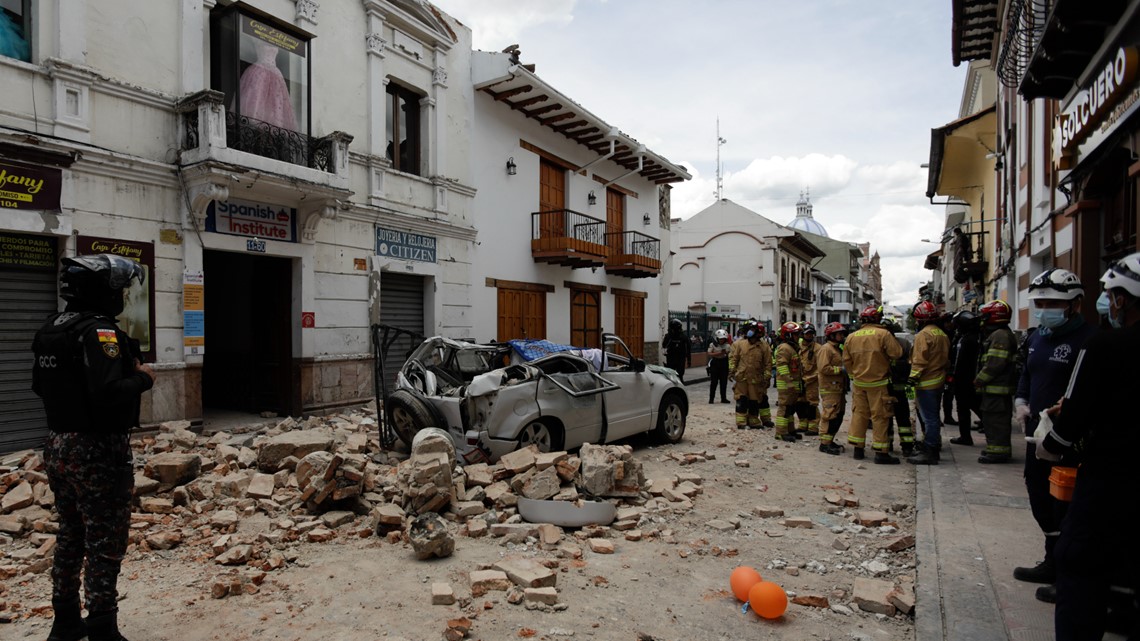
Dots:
{"x": 675, "y": 323}
{"x": 964, "y": 319}
{"x": 98, "y": 281}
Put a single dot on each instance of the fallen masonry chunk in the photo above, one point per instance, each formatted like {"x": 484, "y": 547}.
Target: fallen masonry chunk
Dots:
{"x": 224, "y": 520}
{"x": 799, "y": 521}
{"x": 430, "y": 537}
{"x": 742, "y": 463}
{"x": 542, "y": 485}
{"x": 484, "y": 581}
{"x": 548, "y": 596}
{"x": 811, "y": 600}
{"x": 610, "y": 470}
{"x": 872, "y": 595}
{"x": 527, "y": 573}
{"x": 336, "y": 519}
{"x": 543, "y": 460}
{"x": 237, "y": 555}
{"x": 767, "y": 511}
{"x": 519, "y": 461}
{"x": 155, "y": 505}
{"x": 442, "y": 594}
{"x": 260, "y": 487}
{"x": 601, "y": 546}
{"x": 297, "y": 443}
{"x": 901, "y": 543}
{"x": 833, "y": 498}
{"x": 173, "y": 468}
{"x": 876, "y": 567}
{"x": 568, "y": 468}
{"x": 145, "y": 485}
{"x": 841, "y": 545}
{"x": 17, "y": 498}
{"x": 721, "y": 525}
{"x": 387, "y": 515}
{"x": 903, "y": 599}
{"x": 871, "y": 518}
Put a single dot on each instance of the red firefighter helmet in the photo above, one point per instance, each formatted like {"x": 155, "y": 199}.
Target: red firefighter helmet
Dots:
{"x": 995, "y": 312}
{"x": 871, "y": 314}
{"x": 833, "y": 328}
{"x": 761, "y": 330}
{"x": 926, "y": 312}
{"x": 789, "y": 330}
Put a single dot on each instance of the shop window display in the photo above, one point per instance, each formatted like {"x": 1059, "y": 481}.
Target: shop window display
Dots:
{"x": 14, "y": 29}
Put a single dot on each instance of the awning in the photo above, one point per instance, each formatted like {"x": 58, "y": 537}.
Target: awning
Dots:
{"x": 500, "y": 76}
{"x": 956, "y": 150}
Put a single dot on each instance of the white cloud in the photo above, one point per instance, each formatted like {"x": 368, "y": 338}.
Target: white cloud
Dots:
{"x": 895, "y": 231}
{"x": 778, "y": 177}
{"x": 495, "y": 24}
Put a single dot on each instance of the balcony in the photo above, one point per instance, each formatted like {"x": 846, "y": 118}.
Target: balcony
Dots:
{"x": 826, "y": 301}
{"x": 801, "y": 294}
{"x": 633, "y": 254}
{"x": 566, "y": 237}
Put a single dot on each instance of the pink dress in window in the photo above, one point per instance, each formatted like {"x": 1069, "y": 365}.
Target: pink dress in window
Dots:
{"x": 264, "y": 95}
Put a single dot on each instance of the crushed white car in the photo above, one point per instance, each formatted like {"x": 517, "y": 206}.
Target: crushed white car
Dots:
{"x": 492, "y": 402}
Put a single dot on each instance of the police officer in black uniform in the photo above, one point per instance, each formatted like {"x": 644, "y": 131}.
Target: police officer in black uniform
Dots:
{"x": 678, "y": 351}
{"x": 89, "y": 375}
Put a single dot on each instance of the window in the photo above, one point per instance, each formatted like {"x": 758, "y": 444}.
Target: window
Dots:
{"x": 403, "y": 128}
{"x": 262, "y": 65}
{"x": 15, "y": 29}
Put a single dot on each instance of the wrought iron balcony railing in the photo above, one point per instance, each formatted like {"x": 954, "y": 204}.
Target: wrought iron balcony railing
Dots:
{"x": 826, "y": 301}
{"x": 633, "y": 254}
{"x": 567, "y": 237}
{"x": 801, "y": 294}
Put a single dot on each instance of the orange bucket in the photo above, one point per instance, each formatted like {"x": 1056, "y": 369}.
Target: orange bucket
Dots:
{"x": 1061, "y": 482}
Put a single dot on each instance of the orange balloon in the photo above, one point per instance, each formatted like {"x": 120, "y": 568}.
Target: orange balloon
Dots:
{"x": 742, "y": 580}
{"x": 767, "y": 600}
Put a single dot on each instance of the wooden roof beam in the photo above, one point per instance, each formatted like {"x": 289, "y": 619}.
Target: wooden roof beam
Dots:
{"x": 509, "y": 93}
{"x": 556, "y": 117}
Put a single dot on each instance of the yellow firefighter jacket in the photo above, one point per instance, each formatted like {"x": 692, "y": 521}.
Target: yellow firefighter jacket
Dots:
{"x": 789, "y": 372}
{"x": 868, "y": 353}
{"x": 831, "y": 374}
{"x": 930, "y": 357}
{"x": 750, "y": 362}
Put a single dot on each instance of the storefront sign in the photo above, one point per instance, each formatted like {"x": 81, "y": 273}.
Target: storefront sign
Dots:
{"x": 308, "y": 320}
{"x": 137, "y": 319}
{"x": 257, "y": 220}
{"x": 29, "y": 186}
{"x": 405, "y": 245}
{"x": 28, "y": 252}
{"x": 272, "y": 35}
{"x": 1095, "y": 102}
{"x": 193, "y": 313}
{"x": 724, "y": 309}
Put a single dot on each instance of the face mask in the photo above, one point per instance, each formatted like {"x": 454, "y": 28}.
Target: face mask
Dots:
{"x": 1114, "y": 319}
{"x": 1102, "y": 304}
{"x": 1050, "y": 318}
{"x": 749, "y": 334}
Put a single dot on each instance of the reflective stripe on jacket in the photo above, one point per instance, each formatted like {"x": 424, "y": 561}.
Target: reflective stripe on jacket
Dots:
{"x": 831, "y": 374}
{"x": 788, "y": 372}
{"x": 867, "y": 354}
{"x": 995, "y": 373}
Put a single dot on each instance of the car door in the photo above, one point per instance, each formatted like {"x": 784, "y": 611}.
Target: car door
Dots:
{"x": 628, "y": 409}
{"x": 575, "y": 399}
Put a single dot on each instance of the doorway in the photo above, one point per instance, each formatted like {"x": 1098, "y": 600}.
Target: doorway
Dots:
{"x": 248, "y": 364}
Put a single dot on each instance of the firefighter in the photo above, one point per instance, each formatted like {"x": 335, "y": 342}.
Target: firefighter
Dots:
{"x": 678, "y": 351}
{"x": 1055, "y": 298}
{"x": 718, "y": 365}
{"x": 809, "y": 355}
{"x": 89, "y": 374}
{"x": 789, "y": 384}
{"x": 967, "y": 343}
{"x": 1096, "y": 546}
{"x": 867, "y": 355}
{"x": 765, "y": 344}
{"x": 928, "y": 363}
{"x": 832, "y": 380}
{"x": 995, "y": 380}
{"x": 900, "y": 391}
{"x": 749, "y": 364}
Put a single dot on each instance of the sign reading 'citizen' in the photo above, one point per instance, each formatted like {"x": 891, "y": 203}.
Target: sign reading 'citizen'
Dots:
{"x": 405, "y": 245}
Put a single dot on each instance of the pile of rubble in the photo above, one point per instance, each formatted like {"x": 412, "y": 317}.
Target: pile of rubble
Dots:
{"x": 322, "y": 479}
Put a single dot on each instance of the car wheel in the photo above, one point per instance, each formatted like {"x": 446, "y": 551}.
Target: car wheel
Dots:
{"x": 538, "y": 433}
{"x": 409, "y": 415}
{"x": 671, "y": 419}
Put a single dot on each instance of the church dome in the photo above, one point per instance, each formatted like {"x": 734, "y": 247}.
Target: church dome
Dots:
{"x": 804, "y": 221}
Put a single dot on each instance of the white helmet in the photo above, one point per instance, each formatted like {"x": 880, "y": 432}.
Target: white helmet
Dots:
{"x": 721, "y": 335}
{"x": 1056, "y": 284}
{"x": 1125, "y": 274}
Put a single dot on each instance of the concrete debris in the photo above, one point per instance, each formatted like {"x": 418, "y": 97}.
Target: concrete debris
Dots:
{"x": 902, "y": 597}
{"x": 811, "y": 600}
{"x": 610, "y": 470}
{"x": 871, "y": 518}
{"x": 527, "y": 573}
{"x": 798, "y": 522}
{"x": 430, "y": 537}
{"x": 484, "y": 581}
{"x": 901, "y": 543}
{"x": 872, "y": 595}
{"x": 767, "y": 511}
{"x": 442, "y": 594}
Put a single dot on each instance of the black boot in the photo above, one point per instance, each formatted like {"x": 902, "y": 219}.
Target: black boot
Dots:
{"x": 883, "y": 458}
{"x": 858, "y": 454}
{"x": 907, "y": 449}
{"x": 831, "y": 448}
{"x": 1043, "y": 572}
{"x": 962, "y": 440}
{"x": 104, "y": 626}
{"x": 1046, "y": 593}
{"x": 993, "y": 458}
{"x": 788, "y": 438}
{"x": 949, "y": 421}
{"x": 68, "y": 624}
{"x": 925, "y": 457}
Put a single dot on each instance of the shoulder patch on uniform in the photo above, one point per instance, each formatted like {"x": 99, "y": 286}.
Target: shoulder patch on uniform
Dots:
{"x": 63, "y": 318}
{"x": 107, "y": 336}
{"x": 111, "y": 350}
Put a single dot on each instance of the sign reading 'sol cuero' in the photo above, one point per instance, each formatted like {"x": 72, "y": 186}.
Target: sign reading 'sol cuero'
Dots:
{"x": 1092, "y": 105}
{"x": 29, "y": 186}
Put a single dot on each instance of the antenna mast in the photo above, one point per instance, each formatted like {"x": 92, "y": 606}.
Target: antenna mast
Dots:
{"x": 719, "y": 169}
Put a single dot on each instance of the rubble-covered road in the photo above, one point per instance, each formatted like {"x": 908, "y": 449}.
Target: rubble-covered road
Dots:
{"x": 299, "y": 532}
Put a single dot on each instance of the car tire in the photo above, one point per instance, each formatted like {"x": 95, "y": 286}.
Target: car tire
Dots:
{"x": 671, "y": 419}
{"x": 542, "y": 434}
{"x": 410, "y": 415}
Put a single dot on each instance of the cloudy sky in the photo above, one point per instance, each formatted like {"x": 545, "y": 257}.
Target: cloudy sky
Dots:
{"x": 837, "y": 96}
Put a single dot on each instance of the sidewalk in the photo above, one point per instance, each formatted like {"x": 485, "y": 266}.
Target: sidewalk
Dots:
{"x": 974, "y": 526}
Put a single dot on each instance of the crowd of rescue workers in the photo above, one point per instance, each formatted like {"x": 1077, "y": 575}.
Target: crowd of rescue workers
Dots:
{"x": 1063, "y": 382}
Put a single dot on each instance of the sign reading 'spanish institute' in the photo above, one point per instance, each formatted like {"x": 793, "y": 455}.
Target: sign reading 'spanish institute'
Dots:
{"x": 1096, "y": 99}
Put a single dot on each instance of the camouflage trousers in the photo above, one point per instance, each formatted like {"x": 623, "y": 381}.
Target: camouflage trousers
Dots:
{"x": 92, "y": 479}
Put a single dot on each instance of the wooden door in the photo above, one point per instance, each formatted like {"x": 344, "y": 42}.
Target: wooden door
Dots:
{"x": 585, "y": 318}
{"x": 551, "y": 197}
{"x": 522, "y": 314}
{"x": 615, "y": 221}
{"x": 629, "y": 322}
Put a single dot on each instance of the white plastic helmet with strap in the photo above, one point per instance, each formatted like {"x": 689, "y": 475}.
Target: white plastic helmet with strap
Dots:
{"x": 721, "y": 335}
{"x": 1056, "y": 284}
{"x": 1125, "y": 274}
